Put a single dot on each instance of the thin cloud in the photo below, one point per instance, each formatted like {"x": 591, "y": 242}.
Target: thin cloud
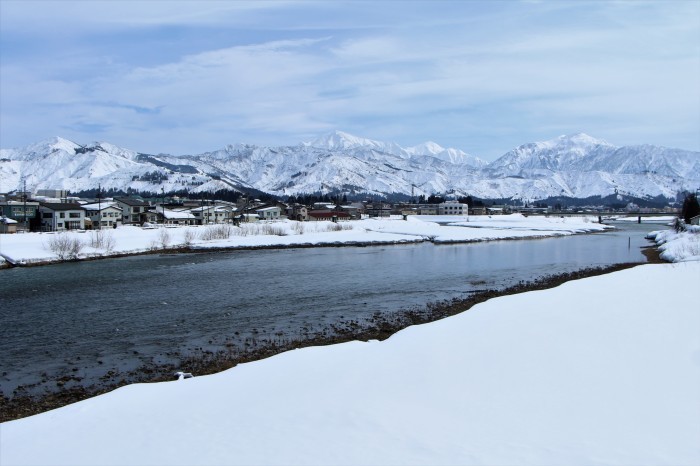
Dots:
{"x": 480, "y": 76}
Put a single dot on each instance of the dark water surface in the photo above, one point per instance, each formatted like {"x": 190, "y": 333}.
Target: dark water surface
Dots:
{"x": 85, "y": 319}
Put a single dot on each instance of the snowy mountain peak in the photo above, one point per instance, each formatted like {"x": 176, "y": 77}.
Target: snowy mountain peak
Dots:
{"x": 51, "y": 145}
{"x": 341, "y": 140}
{"x": 579, "y": 139}
{"x": 426, "y": 148}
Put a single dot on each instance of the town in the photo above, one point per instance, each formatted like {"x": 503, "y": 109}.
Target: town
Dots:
{"x": 55, "y": 210}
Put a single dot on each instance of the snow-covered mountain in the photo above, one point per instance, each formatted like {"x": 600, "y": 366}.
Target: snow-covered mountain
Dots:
{"x": 575, "y": 165}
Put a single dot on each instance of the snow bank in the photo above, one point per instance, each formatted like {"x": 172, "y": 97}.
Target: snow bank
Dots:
{"x": 35, "y": 247}
{"x": 678, "y": 246}
{"x": 596, "y": 371}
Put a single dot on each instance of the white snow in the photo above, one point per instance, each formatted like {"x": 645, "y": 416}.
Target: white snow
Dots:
{"x": 678, "y": 246}
{"x": 35, "y": 247}
{"x": 596, "y": 371}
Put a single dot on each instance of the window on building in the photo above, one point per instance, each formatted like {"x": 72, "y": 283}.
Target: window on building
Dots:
{"x": 74, "y": 215}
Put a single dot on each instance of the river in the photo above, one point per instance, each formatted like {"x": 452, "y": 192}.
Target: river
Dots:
{"x": 81, "y": 323}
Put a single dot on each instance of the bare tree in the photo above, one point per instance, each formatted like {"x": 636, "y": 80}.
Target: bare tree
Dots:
{"x": 164, "y": 238}
{"x": 188, "y": 238}
{"x": 102, "y": 239}
{"x": 65, "y": 246}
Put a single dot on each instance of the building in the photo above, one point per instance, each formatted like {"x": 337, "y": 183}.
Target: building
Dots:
{"x": 132, "y": 210}
{"x": 378, "y": 209}
{"x": 61, "y": 216}
{"x": 103, "y": 215}
{"x": 453, "y": 208}
{"x": 7, "y": 225}
{"x": 207, "y": 214}
{"x": 328, "y": 215}
{"x": 20, "y": 211}
{"x": 52, "y": 193}
{"x": 297, "y": 212}
{"x": 176, "y": 217}
{"x": 269, "y": 213}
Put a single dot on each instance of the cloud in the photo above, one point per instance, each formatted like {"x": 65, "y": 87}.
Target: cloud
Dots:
{"x": 481, "y": 76}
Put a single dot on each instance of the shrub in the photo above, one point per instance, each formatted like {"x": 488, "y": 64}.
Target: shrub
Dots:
{"x": 188, "y": 238}
{"x": 65, "y": 246}
{"x": 273, "y": 230}
{"x": 101, "y": 239}
{"x": 164, "y": 238}
{"x": 221, "y": 231}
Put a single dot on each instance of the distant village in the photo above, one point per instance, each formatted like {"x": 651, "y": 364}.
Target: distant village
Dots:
{"x": 50, "y": 210}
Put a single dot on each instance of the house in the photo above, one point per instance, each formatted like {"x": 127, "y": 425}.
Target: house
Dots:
{"x": 7, "y": 225}
{"x": 103, "y": 214}
{"x": 246, "y": 218}
{"x": 297, "y": 212}
{"x": 61, "y": 216}
{"x": 207, "y": 214}
{"x": 452, "y": 208}
{"x": 150, "y": 216}
{"x": 269, "y": 213}
{"x": 132, "y": 210}
{"x": 328, "y": 215}
{"x": 177, "y": 217}
{"x": 695, "y": 220}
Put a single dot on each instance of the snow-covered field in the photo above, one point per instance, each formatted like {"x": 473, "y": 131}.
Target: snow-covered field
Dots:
{"x": 36, "y": 247}
{"x": 604, "y": 370}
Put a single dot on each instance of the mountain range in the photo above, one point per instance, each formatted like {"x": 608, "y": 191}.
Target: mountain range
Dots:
{"x": 575, "y": 165}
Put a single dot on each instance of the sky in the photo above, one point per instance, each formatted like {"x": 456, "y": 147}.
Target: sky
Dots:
{"x": 184, "y": 77}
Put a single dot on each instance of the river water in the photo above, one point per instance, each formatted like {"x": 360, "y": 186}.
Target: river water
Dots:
{"x": 88, "y": 318}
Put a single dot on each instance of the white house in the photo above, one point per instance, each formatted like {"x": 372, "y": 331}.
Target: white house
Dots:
{"x": 212, "y": 214}
{"x": 132, "y": 209}
{"x": 178, "y": 217}
{"x": 103, "y": 215}
{"x": 269, "y": 213}
{"x": 61, "y": 216}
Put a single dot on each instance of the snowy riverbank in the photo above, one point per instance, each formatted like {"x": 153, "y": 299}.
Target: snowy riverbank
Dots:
{"x": 38, "y": 248}
{"x": 600, "y": 370}
{"x": 678, "y": 246}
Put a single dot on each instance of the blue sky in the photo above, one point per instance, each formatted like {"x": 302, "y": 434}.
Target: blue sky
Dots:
{"x": 187, "y": 77}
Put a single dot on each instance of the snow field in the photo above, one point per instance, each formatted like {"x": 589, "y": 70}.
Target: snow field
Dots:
{"x": 35, "y": 247}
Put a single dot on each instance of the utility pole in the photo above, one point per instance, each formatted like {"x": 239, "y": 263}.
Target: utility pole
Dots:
{"x": 99, "y": 206}
{"x": 24, "y": 196}
{"x": 163, "y": 205}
